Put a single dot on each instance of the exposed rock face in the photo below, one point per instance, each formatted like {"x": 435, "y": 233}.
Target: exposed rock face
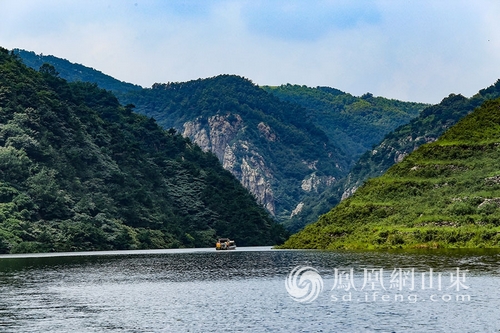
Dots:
{"x": 347, "y": 193}
{"x": 215, "y": 138}
{"x": 313, "y": 181}
{"x": 229, "y": 160}
{"x": 218, "y": 134}
{"x": 223, "y": 130}
{"x": 266, "y": 131}
{"x": 297, "y": 209}
{"x": 253, "y": 176}
{"x": 194, "y": 131}
{"x": 310, "y": 183}
{"x": 227, "y": 137}
{"x": 251, "y": 169}
{"x": 408, "y": 144}
{"x": 399, "y": 157}
{"x": 492, "y": 180}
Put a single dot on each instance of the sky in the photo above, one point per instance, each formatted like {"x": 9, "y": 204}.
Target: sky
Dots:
{"x": 412, "y": 50}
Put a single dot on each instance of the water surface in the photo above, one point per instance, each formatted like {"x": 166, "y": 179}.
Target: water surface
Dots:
{"x": 203, "y": 290}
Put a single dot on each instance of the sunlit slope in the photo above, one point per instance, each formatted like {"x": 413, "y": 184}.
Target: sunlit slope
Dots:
{"x": 444, "y": 194}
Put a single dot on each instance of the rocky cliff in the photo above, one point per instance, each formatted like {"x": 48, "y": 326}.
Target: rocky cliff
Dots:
{"x": 393, "y": 149}
{"x": 219, "y": 134}
{"x": 282, "y": 146}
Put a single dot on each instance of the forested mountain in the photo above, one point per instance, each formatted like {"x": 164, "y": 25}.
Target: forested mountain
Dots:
{"x": 354, "y": 124}
{"x": 78, "y": 171}
{"x": 290, "y": 150}
{"x": 444, "y": 194}
{"x": 268, "y": 144}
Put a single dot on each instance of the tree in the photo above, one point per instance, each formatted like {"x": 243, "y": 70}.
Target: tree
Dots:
{"x": 49, "y": 70}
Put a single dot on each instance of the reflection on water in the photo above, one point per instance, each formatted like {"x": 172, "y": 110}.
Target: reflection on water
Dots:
{"x": 240, "y": 291}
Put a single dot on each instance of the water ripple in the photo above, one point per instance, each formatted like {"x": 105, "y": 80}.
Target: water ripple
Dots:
{"x": 237, "y": 291}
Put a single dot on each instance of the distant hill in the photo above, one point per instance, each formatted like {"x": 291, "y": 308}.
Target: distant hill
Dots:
{"x": 240, "y": 123}
{"x": 444, "y": 194}
{"x": 78, "y": 171}
{"x": 75, "y": 72}
{"x": 354, "y": 124}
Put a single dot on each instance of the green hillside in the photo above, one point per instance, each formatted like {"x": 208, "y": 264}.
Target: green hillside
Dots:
{"x": 444, "y": 194}
{"x": 427, "y": 127}
{"x": 354, "y": 124}
{"x": 78, "y": 171}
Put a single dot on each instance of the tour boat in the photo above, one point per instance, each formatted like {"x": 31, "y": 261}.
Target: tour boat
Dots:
{"x": 225, "y": 244}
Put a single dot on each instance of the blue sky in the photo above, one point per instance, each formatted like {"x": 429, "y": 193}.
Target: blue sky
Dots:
{"x": 419, "y": 50}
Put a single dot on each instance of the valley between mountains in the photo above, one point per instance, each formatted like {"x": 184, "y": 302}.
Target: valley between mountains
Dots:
{"x": 295, "y": 152}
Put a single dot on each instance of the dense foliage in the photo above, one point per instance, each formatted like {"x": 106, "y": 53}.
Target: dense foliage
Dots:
{"x": 78, "y": 171}
{"x": 444, "y": 194}
{"x": 352, "y": 123}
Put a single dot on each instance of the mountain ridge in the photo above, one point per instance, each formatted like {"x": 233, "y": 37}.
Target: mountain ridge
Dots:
{"x": 427, "y": 127}
{"x": 355, "y": 124}
{"x": 74, "y": 72}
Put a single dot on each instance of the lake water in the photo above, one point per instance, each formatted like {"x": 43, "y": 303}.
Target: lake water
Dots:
{"x": 203, "y": 290}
